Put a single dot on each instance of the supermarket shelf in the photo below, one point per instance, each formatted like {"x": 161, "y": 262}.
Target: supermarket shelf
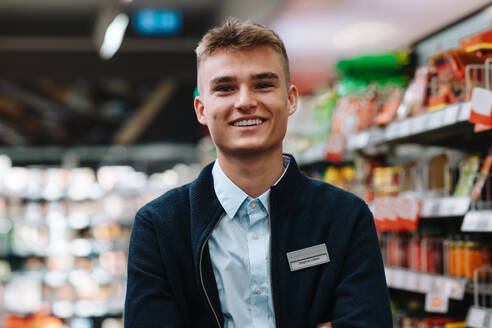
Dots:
{"x": 420, "y": 282}
{"x": 81, "y": 247}
{"x": 185, "y": 153}
{"x": 316, "y": 154}
{"x": 96, "y": 194}
{"x": 311, "y": 155}
{"x": 446, "y": 127}
{"x": 444, "y": 207}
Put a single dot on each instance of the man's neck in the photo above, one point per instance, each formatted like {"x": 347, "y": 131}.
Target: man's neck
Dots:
{"x": 254, "y": 174}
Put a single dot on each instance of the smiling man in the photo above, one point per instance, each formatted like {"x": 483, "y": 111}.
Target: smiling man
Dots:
{"x": 252, "y": 242}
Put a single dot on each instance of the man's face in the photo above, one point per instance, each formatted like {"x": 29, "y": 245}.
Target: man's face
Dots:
{"x": 244, "y": 100}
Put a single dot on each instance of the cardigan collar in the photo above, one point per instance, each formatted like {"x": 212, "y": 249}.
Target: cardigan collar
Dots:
{"x": 205, "y": 208}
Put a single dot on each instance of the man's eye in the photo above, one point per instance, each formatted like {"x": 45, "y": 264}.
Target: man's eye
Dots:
{"x": 223, "y": 88}
{"x": 264, "y": 85}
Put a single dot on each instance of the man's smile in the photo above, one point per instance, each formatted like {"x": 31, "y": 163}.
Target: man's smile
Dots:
{"x": 247, "y": 121}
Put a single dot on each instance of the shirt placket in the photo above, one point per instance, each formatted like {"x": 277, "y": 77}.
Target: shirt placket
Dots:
{"x": 257, "y": 262}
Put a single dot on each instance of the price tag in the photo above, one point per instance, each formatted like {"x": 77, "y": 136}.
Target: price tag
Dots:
{"x": 398, "y": 278}
{"x": 439, "y": 284}
{"x": 476, "y": 317}
{"x": 455, "y": 288}
{"x": 471, "y": 221}
{"x": 480, "y": 221}
{"x": 446, "y": 206}
{"x": 425, "y": 283}
{"x": 426, "y": 209}
{"x": 461, "y": 205}
{"x": 484, "y": 218}
{"x": 436, "y": 302}
{"x": 313, "y": 153}
{"x": 411, "y": 281}
{"x": 464, "y": 113}
{"x": 435, "y": 120}
{"x": 434, "y": 206}
{"x": 418, "y": 123}
{"x": 450, "y": 114}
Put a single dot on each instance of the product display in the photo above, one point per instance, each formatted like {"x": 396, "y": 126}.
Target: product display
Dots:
{"x": 64, "y": 237}
{"x": 419, "y": 195}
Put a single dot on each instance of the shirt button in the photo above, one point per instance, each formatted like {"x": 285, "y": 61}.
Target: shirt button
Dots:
{"x": 254, "y": 205}
{"x": 258, "y": 290}
{"x": 254, "y": 235}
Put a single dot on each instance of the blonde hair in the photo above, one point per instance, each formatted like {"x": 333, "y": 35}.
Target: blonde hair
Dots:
{"x": 236, "y": 34}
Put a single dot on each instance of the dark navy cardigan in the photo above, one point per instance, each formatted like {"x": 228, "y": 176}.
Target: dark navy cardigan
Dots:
{"x": 171, "y": 281}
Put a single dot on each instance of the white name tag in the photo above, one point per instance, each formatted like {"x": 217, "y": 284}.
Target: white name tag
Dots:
{"x": 308, "y": 257}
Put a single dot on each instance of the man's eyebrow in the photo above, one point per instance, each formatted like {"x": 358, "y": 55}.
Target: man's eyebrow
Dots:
{"x": 222, "y": 79}
{"x": 265, "y": 76}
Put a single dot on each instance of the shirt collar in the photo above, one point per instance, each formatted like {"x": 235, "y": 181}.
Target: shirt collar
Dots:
{"x": 231, "y": 196}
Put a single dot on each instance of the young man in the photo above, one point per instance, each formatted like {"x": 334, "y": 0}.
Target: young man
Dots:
{"x": 252, "y": 242}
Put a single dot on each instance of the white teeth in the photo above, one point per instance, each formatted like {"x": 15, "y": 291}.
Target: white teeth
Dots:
{"x": 248, "y": 122}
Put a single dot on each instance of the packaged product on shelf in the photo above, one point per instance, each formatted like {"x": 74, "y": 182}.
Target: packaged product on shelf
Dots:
{"x": 468, "y": 171}
{"x": 472, "y": 257}
{"x": 479, "y": 44}
{"x": 465, "y": 254}
{"x": 390, "y": 106}
{"x": 482, "y": 178}
{"x": 341, "y": 177}
{"x": 432, "y": 254}
{"x": 439, "y": 175}
{"x": 415, "y": 253}
{"x": 451, "y": 67}
{"x": 414, "y": 100}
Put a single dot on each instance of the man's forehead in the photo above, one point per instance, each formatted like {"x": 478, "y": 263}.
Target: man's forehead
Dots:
{"x": 233, "y": 62}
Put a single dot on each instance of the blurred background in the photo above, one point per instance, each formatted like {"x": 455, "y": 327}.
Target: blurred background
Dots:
{"x": 96, "y": 119}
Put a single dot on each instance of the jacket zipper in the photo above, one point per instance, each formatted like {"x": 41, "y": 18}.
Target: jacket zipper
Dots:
{"x": 271, "y": 271}
{"x": 201, "y": 272}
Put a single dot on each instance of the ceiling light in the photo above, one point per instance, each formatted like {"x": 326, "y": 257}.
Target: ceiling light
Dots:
{"x": 114, "y": 36}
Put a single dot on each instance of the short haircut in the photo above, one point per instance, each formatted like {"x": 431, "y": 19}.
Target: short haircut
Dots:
{"x": 236, "y": 34}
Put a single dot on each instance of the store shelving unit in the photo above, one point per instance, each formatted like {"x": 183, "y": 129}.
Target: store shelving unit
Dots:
{"x": 64, "y": 232}
{"x": 444, "y": 217}
{"x": 422, "y": 282}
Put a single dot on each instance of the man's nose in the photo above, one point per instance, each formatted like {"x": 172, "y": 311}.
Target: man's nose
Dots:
{"x": 246, "y": 99}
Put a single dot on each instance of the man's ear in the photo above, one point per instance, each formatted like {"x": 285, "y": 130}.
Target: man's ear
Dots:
{"x": 293, "y": 95}
{"x": 200, "y": 110}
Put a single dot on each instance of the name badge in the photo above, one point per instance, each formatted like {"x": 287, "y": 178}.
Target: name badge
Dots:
{"x": 308, "y": 257}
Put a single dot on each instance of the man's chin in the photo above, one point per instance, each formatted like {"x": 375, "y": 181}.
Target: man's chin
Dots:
{"x": 249, "y": 150}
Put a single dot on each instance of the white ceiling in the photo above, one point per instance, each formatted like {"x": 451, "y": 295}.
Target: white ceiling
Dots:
{"x": 317, "y": 32}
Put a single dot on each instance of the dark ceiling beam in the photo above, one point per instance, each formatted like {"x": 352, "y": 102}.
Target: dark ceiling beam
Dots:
{"x": 87, "y": 64}
{"x": 75, "y": 44}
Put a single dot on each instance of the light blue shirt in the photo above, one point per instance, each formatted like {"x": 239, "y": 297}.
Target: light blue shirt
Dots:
{"x": 240, "y": 254}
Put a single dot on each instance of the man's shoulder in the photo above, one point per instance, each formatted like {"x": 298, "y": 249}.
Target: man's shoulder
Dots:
{"x": 173, "y": 200}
